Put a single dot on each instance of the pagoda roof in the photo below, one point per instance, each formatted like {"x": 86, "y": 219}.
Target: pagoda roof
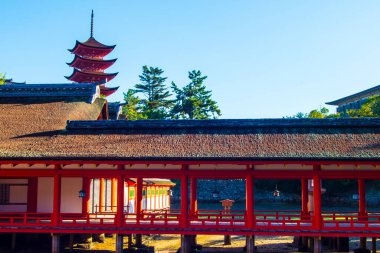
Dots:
{"x": 91, "y": 47}
{"x": 90, "y": 77}
{"x": 10, "y": 81}
{"x": 80, "y": 62}
{"x": 357, "y": 96}
{"x": 107, "y": 91}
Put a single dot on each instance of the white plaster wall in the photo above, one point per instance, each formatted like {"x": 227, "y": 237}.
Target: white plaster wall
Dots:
{"x": 45, "y": 194}
{"x": 70, "y": 202}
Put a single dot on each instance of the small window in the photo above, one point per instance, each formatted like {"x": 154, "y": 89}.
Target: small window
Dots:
{"x": 4, "y": 194}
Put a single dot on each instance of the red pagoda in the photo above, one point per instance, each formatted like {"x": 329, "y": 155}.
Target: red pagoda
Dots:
{"x": 89, "y": 64}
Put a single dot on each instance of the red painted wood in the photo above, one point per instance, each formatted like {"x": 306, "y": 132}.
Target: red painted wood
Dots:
{"x": 304, "y": 196}
{"x": 249, "y": 193}
{"x": 57, "y": 198}
{"x": 114, "y": 195}
{"x": 184, "y": 198}
{"x": 101, "y": 194}
{"x": 120, "y": 200}
{"x": 139, "y": 188}
{"x": 317, "y": 197}
{"x": 362, "y": 196}
{"x": 193, "y": 196}
{"x": 86, "y": 182}
{"x": 32, "y": 194}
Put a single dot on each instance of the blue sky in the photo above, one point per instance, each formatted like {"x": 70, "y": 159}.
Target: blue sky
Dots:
{"x": 263, "y": 59}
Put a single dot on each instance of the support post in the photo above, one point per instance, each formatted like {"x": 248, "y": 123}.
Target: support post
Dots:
{"x": 317, "y": 197}
{"x": 362, "y": 209}
{"x": 185, "y": 243}
{"x": 119, "y": 243}
{"x": 184, "y": 197}
{"x": 250, "y": 244}
{"x": 57, "y": 197}
{"x": 249, "y": 194}
{"x": 71, "y": 243}
{"x": 32, "y": 194}
{"x": 304, "y": 197}
{"x": 55, "y": 243}
{"x": 101, "y": 195}
{"x": 193, "y": 196}
{"x": 86, "y": 200}
{"x": 139, "y": 186}
{"x": 114, "y": 195}
{"x": 13, "y": 241}
{"x": 317, "y": 244}
{"x": 120, "y": 198}
{"x": 373, "y": 244}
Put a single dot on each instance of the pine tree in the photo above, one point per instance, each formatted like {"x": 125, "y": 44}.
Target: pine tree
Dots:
{"x": 156, "y": 104}
{"x": 132, "y": 110}
{"x": 193, "y": 101}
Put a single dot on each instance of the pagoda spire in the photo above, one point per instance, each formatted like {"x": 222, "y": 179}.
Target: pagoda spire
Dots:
{"x": 92, "y": 24}
{"x": 89, "y": 63}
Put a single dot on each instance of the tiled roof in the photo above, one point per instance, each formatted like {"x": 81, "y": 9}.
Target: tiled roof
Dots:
{"x": 357, "y": 96}
{"x": 38, "y": 131}
{"x": 27, "y": 93}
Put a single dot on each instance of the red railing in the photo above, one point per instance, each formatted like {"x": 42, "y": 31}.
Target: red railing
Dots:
{"x": 282, "y": 219}
{"x": 272, "y": 220}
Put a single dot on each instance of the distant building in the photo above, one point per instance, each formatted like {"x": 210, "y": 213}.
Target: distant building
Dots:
{"x": 354, "y": 101}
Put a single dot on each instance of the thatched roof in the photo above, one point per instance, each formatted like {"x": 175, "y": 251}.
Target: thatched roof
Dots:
{"x": 38, "y": 131}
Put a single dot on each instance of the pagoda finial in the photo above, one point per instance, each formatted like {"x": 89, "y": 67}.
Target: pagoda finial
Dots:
{"x": 92, "y": 24}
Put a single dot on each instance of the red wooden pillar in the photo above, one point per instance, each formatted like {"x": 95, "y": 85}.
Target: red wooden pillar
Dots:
{"x": 57, "y": 197}
{"x": 184, "y": 196}
{"x": 193, "y": 196}
{"x": 362, "y": 201}
{"x": 250, "y": 203}
{"x": 101, "y": 194}
{"x": 114, "y": 195}
{"x": 362, "y": 209}
{"x": 120, "y": 197}
{"x": 86, "y": 200}
{"x": 317, "y": 197}
{"x": 139, "y": 186}
{"x": 304, "y": 197}
{"x": 32, "y": 194}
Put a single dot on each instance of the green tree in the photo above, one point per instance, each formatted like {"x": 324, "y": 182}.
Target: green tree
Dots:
{"x": 193, "y": 101}
{"x": 155, "y": 104}
{"x": 132, "y": 110}
{"x": 2, "y": 79}
{"x": 370, "y": 108}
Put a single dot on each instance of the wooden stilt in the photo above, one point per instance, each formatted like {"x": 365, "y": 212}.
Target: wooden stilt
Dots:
{"x": 363, "y": 242}
{"x": 55, "y": 243}
{"x": 13, "y": 242}
{"x": 250, "y": 244}
{"x": 185, "y": 243}
{"x": 119, "y": 243}
{"x": 373, "y": 244}
{"x": 317, "y": 244}
{"x": 71, "y": 242}
{"x": 129, "y": 241}
{"x": 138, "y": 240}
{"x": 227, "y": 240}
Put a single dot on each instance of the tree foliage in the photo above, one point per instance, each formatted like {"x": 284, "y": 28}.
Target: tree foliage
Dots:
{"x": 2, "y": 79}
{"x": 155, "y": 103}
{"x": 370, "y": 108}
{"x": 132, "y": 109}
{"x": 193, "y": 101}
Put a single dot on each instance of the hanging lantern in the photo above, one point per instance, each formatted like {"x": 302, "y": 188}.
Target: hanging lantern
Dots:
{"x": 82, "y": 194}
{"x": 215, "y": 194}
{"x": 276, "y": 193}
{"x": 170, "y": 192}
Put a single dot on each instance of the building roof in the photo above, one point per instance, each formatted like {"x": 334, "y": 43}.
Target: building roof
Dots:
{"x": 357, "y": 96}
{"x": 82, "y": 76}
{"x": 40, "y": 131}
{"x": 91, "y": 47}
{"x": 28, "y": 93}
{"x": 89, "y": 63}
